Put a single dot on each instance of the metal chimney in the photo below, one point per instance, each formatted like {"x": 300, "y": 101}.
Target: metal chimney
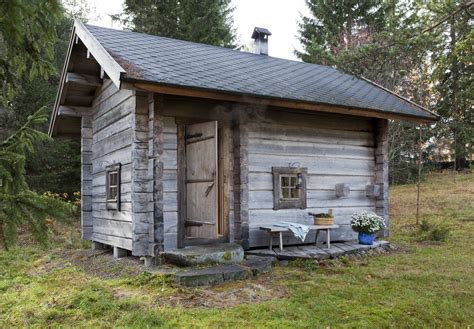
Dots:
{"x": 260, "y": 36}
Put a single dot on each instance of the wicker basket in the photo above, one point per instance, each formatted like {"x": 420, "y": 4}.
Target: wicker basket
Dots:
{"x": 323, "y": 220}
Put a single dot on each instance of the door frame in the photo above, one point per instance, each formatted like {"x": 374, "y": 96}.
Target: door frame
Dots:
{"x": 223, "y": 167}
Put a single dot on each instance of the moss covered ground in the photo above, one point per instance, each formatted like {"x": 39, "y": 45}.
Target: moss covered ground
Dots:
{"x": 422, "y": 284}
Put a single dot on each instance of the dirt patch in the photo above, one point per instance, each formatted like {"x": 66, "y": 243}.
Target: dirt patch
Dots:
{"x": 256, "y": 290}
{"x": 99, "y": 264}
{"x": 102, "y": 264}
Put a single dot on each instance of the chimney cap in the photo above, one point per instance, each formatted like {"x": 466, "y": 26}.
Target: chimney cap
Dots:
{"x": 259, "y": 31}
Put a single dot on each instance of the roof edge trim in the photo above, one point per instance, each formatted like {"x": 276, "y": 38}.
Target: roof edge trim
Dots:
{"x": 52, "y": 121}
{"x": 101, "y": 55}
{"x": 401, "y": 97}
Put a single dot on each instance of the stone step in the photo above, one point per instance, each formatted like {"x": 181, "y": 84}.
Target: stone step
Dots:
{"x": 219, "y": 253}
{"x": 222, "y": 273}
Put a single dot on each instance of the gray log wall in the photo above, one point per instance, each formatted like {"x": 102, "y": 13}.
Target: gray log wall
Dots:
{"x": 334, "y": 149}
{"x": 140, "y": 131}
{"x": 112, "y": 135}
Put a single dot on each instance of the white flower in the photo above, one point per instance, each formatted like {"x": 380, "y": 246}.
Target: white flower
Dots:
{"x": 367, "y": 222}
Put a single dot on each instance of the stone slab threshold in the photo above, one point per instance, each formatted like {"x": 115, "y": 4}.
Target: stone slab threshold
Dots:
{"x": 313, "y": 252}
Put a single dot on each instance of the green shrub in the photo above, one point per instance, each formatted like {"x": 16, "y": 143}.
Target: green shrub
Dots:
{"x": 433, "y": 232}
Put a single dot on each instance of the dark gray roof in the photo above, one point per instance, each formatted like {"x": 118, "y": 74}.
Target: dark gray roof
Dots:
{"x": 175, "y": 62}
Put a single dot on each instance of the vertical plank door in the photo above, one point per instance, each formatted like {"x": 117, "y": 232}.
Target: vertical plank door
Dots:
{"x": 201, "y": 180}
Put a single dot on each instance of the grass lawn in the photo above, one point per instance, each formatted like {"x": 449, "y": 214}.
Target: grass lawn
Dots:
{"x": 423, "y": 284}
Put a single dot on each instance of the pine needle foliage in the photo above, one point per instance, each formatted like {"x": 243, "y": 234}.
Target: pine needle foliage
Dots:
{"x": 19, "y": 206}
{"x": 27, "y": 35}
{"x": 203, "y": 21}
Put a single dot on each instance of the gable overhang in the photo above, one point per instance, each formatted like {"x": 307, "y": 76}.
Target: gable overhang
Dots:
{"x": 69, "y": 113}
{"x": 169, "y": 89}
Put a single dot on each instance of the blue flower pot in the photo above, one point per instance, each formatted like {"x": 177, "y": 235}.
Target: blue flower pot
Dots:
{"x": 366, "y": 238}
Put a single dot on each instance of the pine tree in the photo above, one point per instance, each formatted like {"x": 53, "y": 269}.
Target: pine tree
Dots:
{"x": 203, "y": 21}
{"x": 19, "y": 206}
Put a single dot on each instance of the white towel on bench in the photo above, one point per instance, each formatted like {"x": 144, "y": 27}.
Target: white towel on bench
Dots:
{"x": 300, "y": 231}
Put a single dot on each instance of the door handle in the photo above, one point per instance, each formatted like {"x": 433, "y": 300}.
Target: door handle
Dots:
{"x": 211, "y": 185}
{"x": 209, "y": 188}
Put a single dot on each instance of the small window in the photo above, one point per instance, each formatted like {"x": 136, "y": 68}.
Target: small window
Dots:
{"x": 112, "y": 188}
{"x": 289, "y": 188}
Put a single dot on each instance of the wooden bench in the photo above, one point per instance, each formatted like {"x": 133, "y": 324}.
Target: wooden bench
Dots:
{"x": 277, "y": 229}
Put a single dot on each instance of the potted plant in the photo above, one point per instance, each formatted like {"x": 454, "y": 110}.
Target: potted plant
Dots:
{"x": 367, "y": 224}
{"x": 323, "y": 218}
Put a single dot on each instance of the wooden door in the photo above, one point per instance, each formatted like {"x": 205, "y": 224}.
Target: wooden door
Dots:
{"x": 201, "y": 180}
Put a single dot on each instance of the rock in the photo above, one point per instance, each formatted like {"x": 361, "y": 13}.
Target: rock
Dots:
{"x": 212, "y": 275}
{"x": 236, "y": 272}
{"x": 283, "y": 262}
{"x": 259, "y": 265}
{"x": 200, "y": 277}
{"x": 221, "y": 253}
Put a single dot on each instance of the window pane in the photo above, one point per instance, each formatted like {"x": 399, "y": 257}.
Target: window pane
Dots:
{"x": 113, "y": 178}
{"x": 285, "y": 193}
{"x": 294, "y": 181}
{"x": 284, "y": 181}
{"x": 295, "y": 193}
{"x": 112, "y": 193}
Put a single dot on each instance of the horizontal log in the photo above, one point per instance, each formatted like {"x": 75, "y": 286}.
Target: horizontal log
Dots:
{"x": 74, "y": 111}
{"x": 315, "y": 165}
{"x": 295, "y": 148}
{"x": 122, "y": 124}
{"x": 113, "y": 114}
{"x": 110, "y": 240}
{"x": 314, "y": 198}
{"x": 285, "y": 132}
{"x": 111, "y": 227}
{"x": 83, "y": 79}
{"x": 264, "y": 181}
{"x": 123, "y": 215}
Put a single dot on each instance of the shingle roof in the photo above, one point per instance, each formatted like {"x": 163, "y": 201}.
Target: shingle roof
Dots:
{"x": 169, "y": 61}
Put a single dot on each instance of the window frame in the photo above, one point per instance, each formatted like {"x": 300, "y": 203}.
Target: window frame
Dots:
{"x": 111, "y": 203}
{"x": 279, "y": 202}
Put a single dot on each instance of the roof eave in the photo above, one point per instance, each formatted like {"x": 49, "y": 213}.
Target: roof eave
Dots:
{"x": 173, "y": 89}
{"x": 437, "y": 116}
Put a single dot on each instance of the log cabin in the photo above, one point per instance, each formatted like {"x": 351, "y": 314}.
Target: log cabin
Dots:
{"x": 189, "y": 144}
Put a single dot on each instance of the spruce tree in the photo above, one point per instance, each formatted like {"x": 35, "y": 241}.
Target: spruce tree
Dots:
{"x": 203, "y": 21}
{"x": 453, "y": 62}
{"x": 19, "y": 206}
{"x": 27, "y": 34}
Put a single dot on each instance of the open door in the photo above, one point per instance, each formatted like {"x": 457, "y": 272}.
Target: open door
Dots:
{"x": 201, "y": 182}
